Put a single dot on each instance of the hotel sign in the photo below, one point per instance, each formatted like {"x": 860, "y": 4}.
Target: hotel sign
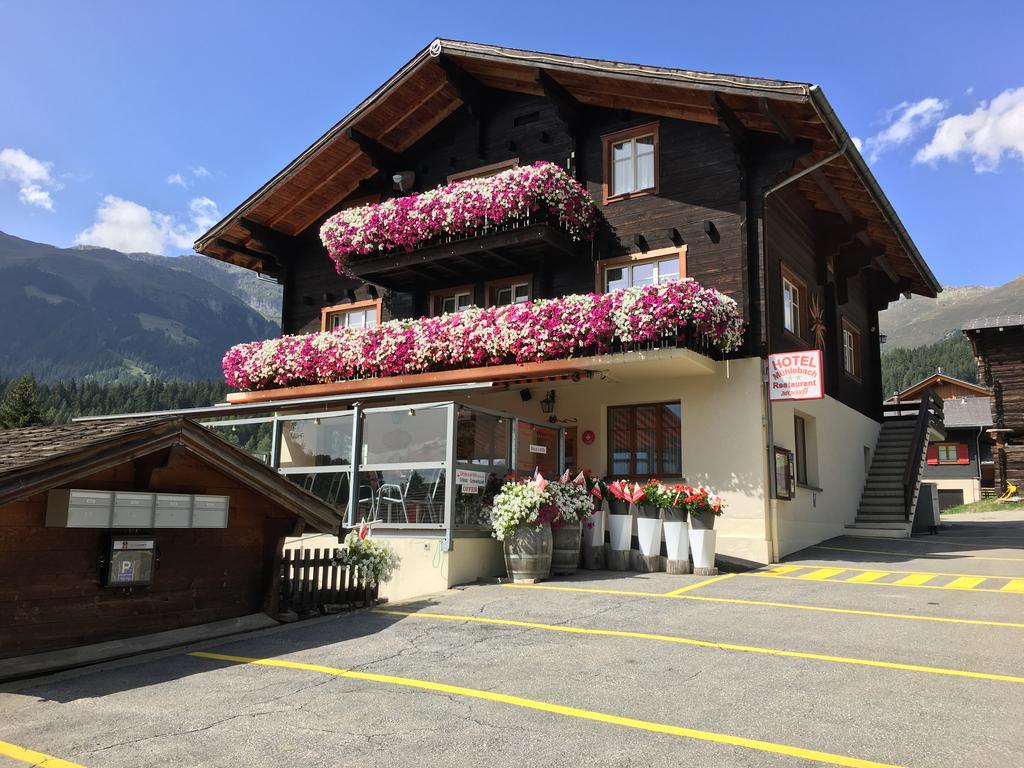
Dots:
{"x": 795, "y": 375}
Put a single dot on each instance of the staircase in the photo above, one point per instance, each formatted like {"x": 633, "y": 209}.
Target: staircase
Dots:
{"x": 890, "y": 492}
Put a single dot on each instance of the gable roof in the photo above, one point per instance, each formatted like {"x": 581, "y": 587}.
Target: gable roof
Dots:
{"x": 941, "y": 378}
{"x": 995, "y": 321}
{"x": 36, "y": 459}
{"x": 441, "y": 77}
{"x": 968, "y": 412}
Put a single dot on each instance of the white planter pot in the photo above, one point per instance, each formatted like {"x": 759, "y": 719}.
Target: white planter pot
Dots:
{"x": 648, "y": 532}
{"x": 593, "y": 528}
{"x": 677, "y": 540}
{"x": 620, "y": 529}
{"x": 702, "y": 544}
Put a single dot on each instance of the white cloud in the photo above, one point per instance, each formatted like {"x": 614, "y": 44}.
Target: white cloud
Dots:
{"x": 32, "y": 177}
{"x": 186, "y": 180}
{"x": 200, "y": 172}
{"x": 903, "y": 122}
{"x": 124, "y": 225}
{"x": 177, "y": 178}
{"x": 858, "y": 143}
{"x": 991, "y": 131}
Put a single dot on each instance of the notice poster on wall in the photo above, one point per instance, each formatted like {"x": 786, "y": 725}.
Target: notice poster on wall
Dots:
{"x": 796, "y": 375}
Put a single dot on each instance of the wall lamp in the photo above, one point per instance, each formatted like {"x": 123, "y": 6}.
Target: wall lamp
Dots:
{"x": 547, "y": 405}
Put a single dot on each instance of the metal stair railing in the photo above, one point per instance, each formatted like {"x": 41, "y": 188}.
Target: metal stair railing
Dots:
{"x": 929, "y": 414}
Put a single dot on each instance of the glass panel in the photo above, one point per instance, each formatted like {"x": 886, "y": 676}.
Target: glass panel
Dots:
{"x": 371, "y": 316}
{"x": 622, "y": 168}
{"x": 668, "y": 269}
{"x": 615, "y": 278}
{"x": 482, "y": 440}
{"x": 356, "y": 319}
{"x": 316, "y": 442}
{"x": 399, "y": 437}
{"x": 646, "y": 439}
{"x": 801, "y": 449}
{"x": 332, "y": 487}
{"x": 643, "y": 274}
{"x": 447, "y": 304}
{"x": 473, "y": 500}
{"x": 789, "y": 304}
{"x": 522, "y": 292}
{"x": 536, "y": 448}
{"x": 671, "y": 440}
{"x": 645, "y": 162}
{"x": 254, "y": 439}
{"x": 504, "y": 296}
{"x": 404, "y": 495}
{"x": 463, "y": 300}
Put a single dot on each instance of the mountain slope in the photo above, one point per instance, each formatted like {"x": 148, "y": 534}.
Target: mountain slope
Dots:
{"x": 920, "y": 321}
{"x": 100, "y": 313}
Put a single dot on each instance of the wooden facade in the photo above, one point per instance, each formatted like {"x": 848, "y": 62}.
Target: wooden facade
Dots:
{"x": 722, "y": 151}
{"x": 52, "y": 593}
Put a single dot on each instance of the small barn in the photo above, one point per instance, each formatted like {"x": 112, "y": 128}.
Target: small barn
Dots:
{"x": 118, "y": 528}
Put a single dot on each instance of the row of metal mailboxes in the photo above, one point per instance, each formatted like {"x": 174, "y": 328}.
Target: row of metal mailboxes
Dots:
{"x": 77, "y": 508}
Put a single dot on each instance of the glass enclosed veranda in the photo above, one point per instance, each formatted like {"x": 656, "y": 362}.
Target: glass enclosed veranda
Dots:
{"x": 433, "y": 466}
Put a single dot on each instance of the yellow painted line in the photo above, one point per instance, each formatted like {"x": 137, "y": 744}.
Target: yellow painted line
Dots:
{"x": 914, "y": 580}
{"x": 703, "y": 644}
{"x": 770, "y": 604}
{"x": 699, "y": 584}
{"x": 894, "y": 570}
{"x": 868, "y": 576}
{"x": 964, "y": 582}
{"x": 31, "y": 757}
{"x": 909, "y": 581}
{"x": 1014, "y": 585}
{"x": 559, "y": 709}
{"x": 780, "y": 569}
{"x": 923, "y": 555}
{"x": 821, "y": 574}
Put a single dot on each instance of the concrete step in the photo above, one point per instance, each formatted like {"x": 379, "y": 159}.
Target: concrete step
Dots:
{"x": 872, "y": 530}
{"x": 867, "y": 517}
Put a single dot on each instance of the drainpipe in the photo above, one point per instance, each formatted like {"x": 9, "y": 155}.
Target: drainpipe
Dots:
{"x": 357, "y": 452}
{"x": 773, "y": 539}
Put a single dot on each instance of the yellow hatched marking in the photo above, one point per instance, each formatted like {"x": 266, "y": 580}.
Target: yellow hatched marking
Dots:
{"x": 822, "y": 573}
{"x": 917, "y": 555}
{"x": 862, "y": 578}
{"x": 770, "y": 604}
{"x": 914, "y": 580}
{"x": 890, "y": 570}
{"x": 699, "y": 584}
{"x": 702, "y": 644}
{"x": 901, "y": 583}
{"x": 31, "y": 757}
{"x": 964, "y": 582}
{"x": 558, "y": 709}
{"x": 1014, "y": 585}
{"x": 781, "y": 569}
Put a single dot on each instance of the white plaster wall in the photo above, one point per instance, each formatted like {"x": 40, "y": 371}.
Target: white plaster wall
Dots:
{"x": 970, "y": 486}
{"x": 841, "y": 435}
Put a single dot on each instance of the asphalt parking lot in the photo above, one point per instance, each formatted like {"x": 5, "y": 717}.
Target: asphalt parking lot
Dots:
{"x": 859, "y": 652}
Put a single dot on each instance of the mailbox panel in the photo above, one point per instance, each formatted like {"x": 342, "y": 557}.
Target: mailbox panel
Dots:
{"x": 173, "y": 511}
{"x": 133, "y": 510}
{"x": 210, "y": 512}
{"x": 79, "y": 509}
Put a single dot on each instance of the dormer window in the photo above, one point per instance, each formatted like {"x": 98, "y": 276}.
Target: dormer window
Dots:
{"x": 360, "y": 314}
{"x": 631, "y": 162}
{"x": 513, "y": 290}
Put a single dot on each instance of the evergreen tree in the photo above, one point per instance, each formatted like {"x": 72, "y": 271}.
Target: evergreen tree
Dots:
{"x": 20, "y": 408}
{"x": 903, "y": 367}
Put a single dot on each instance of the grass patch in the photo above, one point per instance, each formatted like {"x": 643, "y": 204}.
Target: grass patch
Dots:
{"x": 986, "y": 505}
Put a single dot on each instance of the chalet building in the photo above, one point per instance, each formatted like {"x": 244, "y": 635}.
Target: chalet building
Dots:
{"x": 998, "y": 344}
{"x": 412, "y": 208}
{"x": 116, "y": 528}
{"x": 960, "y": 464}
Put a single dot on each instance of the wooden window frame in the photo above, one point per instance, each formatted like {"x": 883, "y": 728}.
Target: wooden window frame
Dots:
{"x": 788, "y": 275}
{"x": 659, "y": 442}
{"x": 658, "y": 254}
{"x": 352, "y": 306}
{"x": 611, "y": 139}
{"x": 446, "y": 293}
{"x": 483, "y": 171}
{"x": 493, "y": 286}
{"x": 858, "y": 351}
{"x": 938, "y": 453}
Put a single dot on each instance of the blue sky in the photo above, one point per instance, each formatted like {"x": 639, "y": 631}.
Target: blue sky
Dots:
{"x": 136, "y": 124}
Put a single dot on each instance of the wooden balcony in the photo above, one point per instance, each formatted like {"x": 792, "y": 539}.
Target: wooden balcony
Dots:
{"x": 502, "y": 250}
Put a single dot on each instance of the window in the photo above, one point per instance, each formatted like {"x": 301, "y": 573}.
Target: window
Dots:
{"x": 851, "y": 349}
{"x": 800, "y": 433}
{"x": 631, "y": 162}
{"x": 513, "y": 290}
{"x": 645, "y": 440}
{"x": 949, "y": 453}
{"x": 648, "y": 269}
{"x": 361, "y": 314}
{"x": 794, "y": 303}
{"x": 451, "y": 300}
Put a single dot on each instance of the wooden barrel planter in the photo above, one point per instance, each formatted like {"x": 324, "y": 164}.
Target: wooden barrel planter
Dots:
{"x": 565, "y": 555}
{"x": 620, "y": 530}
{"x": 648, "y": 531}
{"x": 528, "y": 554}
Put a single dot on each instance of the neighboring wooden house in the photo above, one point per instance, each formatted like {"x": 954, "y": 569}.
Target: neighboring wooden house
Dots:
{"x": 998, "y": 344}
{"x": 118, "y": 528}
{"x": 749, "y": 186}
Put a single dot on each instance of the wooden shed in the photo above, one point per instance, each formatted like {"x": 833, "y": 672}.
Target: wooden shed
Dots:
{"x": 118, "y": 528}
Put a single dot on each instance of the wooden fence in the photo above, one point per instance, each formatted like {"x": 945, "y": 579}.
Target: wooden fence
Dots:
{"x": 310, "y": 583}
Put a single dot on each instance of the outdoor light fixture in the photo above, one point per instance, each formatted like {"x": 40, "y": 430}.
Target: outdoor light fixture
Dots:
{"x": 525, "y": 395}
{"x": 547, "y": 405}
{"x": 882, "y": 338}
{"x": 404, "y": 180}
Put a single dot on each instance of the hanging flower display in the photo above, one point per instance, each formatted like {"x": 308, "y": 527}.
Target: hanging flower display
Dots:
{"x": 461, "y": 208}
{"x": 547, "y": 329}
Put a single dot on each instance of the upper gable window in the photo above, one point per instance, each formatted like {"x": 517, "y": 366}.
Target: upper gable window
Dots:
{"x": 794, "y": 302}
{"x": 851, "y": 349}
{"x": 631, "y": 162}
{"x": 361, "y": 314}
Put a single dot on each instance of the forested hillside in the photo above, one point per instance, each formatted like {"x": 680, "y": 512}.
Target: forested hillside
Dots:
{"x": 903, "y": 367}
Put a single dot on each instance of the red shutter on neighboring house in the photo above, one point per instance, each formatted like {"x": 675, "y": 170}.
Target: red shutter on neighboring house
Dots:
{"x": 961, "y": 454}
{"x": 933, "y": 454}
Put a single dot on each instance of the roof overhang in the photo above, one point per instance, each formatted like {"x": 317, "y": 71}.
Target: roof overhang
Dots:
{"x": 445, "y": 75}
